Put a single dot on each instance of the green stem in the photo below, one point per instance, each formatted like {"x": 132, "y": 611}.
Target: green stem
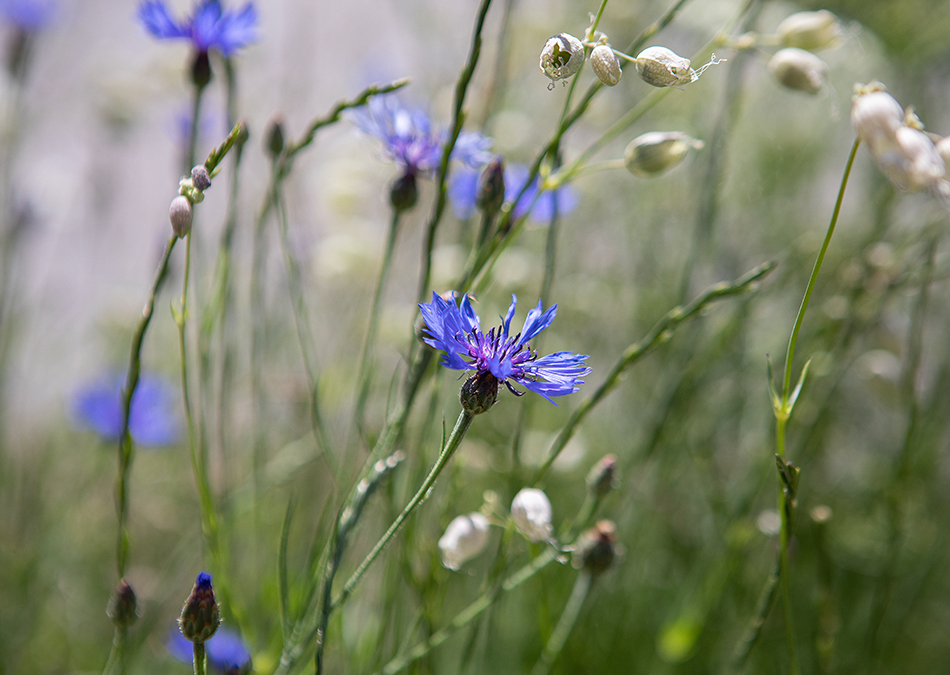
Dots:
{"x": 565, "y": 624}
{"x": 199, "y": 658}
{"x": 116, "y": 660}
{"x": 451, "y": 445}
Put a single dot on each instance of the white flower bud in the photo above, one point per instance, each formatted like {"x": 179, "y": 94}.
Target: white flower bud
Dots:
{"x": 180, "y": 215}
{"x": 464, "y": 538}
{"x": 917, "y": 166}
{"x": 562, "y": 56}
{"x": 810, "y": 30}
{"x": 605, "y": 64}
{"x": 798, "y": 69}
{"x": 876, "y": 117}
{"x": 531, "y": 511}
{"x": 656, "y": 152}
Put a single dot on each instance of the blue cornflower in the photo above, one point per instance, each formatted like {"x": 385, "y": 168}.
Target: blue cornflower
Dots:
{"x": 210, "y": 27}
{"x": 27, "y": 15}
{"x": 456, "y": 330}
{"x": 463, "y": 191}
{"x": 225, "y": 650}
{"x": 152, "y": 416}
{"x": 409, "y": 139}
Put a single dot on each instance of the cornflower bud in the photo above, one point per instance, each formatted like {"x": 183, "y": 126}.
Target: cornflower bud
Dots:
{"x": 201, "y": 70}
{"x": 200, "y": 616}
{"x": 562, "y": 56}
{"x": 479, "y": 393}
{"x": 464, "y": 538}
{"x": 810, "y": 30}
{"x": 663, "y": 67}
{"x": 491, "y": 191}
{"x": 180, "y": 214}
{"x": 531, "y": 511}
{"x": 603, "y": 476}
{"x": 200, "y": 177}
{"x": 274, "y": 137}
{"x": 605, "y": 65}
{"x": 656, "y": 152}
{"x": 403, "y": 193}
{"x": 122, "y": 607}
{"x": 797, "y": 69}
{"x": 596, "y": 548}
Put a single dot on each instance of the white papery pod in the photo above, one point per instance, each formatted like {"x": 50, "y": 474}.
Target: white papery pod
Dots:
{"x": 875, "y": 118}
{"x": 464, "y": 538}
{"x": 797, "y": 69}
{"x": 531, "y": 511}
{"x": 180, "y": 213}
{"x": 656, "y": 152}
{"x": 663, "y": 67}
{"x": 562, "y": 56}
{"x": 605, "y": 65}
{"x": 810, "y": 30}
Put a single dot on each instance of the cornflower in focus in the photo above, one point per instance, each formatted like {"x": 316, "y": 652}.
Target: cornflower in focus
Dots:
{"x": 152, "y": 417}
{"x": 209, "y": 27}
{"x": 225, "y": 650}
{"x": 463, "y": 192}
{"x": 409, "y": 139}
{"x": 496, "y": 356}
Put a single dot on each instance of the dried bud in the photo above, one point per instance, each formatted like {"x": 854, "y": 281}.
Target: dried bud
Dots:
{"x": 596, "y": 548}
{"x": 403, "y": 193}
{"x": 464, "y": 538}
{"x": 810, "y": 30}
{"x": 603, "y": 476}
{"x": 274, "y": 137}
{"x": 655, "y": 152}
{"x": 200, "y": 617}
{"x": 798, "y": 69}
{"x": 200, "y": 177}
{"x": 180, "y": 214}
{"x": 479, "y": 393}
{"x": 122, "y": 608}
{"x": 531, "y": 511}
{"x": 562, "y": 56}
{"x": 605, "y": 64}
{"x": 201, "y": 70}
{"x": 491, "y": 191}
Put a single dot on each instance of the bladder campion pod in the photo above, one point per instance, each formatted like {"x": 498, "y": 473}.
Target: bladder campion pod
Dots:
{"x": 605, "y": 65}
{"x": 797, "y": 69}
{"x": 656, "y": 152}
{"x": 562, "y": 56}
{"x": 663, "y": 67}
{"x": 810, "y": 30}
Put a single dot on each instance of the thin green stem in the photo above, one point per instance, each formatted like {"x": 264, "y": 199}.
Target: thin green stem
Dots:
{"x": 565, "y": 624}
{"x": 116, "y": 662}
{"x": 200, "y": 658}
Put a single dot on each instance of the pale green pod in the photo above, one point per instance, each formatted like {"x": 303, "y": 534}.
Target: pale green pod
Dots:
{"x": 605, "y": 65}
{"x": 663, "y": 67}
{"x": 562, "y": 56}
{"x": 810, "y": 30}
{"x": 797, "y": 69}
{"x": 656, "y": 152}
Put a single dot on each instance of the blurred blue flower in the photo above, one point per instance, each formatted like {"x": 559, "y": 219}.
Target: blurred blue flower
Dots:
{"x": 210, "y": 27}
{"x": 28, "y": 15}
{"x": 408, "y": 137}
{"x": 464, "y": 189}
{"x": 225, "y": 650}
{"x": 153, "y": 418}
{"x": 456, "y": 330}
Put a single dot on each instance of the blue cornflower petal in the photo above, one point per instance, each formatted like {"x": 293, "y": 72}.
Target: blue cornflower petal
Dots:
{"x": 152, "y": 417}
{"x": 159, "y": 22}
{"x": 463, "y": 192}
{"x": 210, "y": 27}
{"x": 455, "y": 329}
{"x": 225, "y": 649}
{"x": 28, "y": 15}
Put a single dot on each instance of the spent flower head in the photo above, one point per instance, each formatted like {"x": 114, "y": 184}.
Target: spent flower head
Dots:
{"x": 209, "y": 27}
{"x": 498, "y": 355}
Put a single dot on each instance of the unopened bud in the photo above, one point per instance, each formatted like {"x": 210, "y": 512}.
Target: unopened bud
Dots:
{"x": 656, "y": 152}
{"x": 200, "y": 616}
{"x": 274, "y": 137}
{"x": 531, "y": 511}
{"x": 562, "y": 56}
{"x": 797, "y": 69}
{"x": 464, "y": 538}
{"x": 200, "y": 177}
{"x": 201, "y": 70}
{"x": 479, "y": 393}
{"x": 596, "y": 548}
{"x": 122, "y": 608}
{"x": 603, "y": 476}
{"x": 403, "y": 193}
{"x": 180, "y": 214}
{"x": 491, "y": 191}
{"x": 810, "y": 30}
{"x": 605, "y": 65}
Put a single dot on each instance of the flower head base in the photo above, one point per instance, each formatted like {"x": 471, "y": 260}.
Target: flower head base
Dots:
{"x": 531, "y": 511}
{"x": 464, "y": 538}
{"x": 210, "y": 27}
{"x": 456, "y": 330}
{"x": 122, "y": 607}
{"x": 200, "y": 616}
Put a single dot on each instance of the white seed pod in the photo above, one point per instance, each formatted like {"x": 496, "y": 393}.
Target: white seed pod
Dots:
{"x": 180, "y": 214}
{"x": 562, "y": 56}
{"x": 605, "y": 64}
{"x": 531, "y": 511}
{"x": 797, "y": 69}
{"x": 917, "y": 166}
{"x": 663, "y": 67}
{"x": 875, "y": 117}
{"x": 810, "y": 30}
{"x": 464, "y": 538}
{"x": 943, "y": 149}
{"x": 656, "y": 152}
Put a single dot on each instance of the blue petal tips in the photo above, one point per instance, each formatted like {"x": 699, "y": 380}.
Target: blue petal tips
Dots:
{"x": 210, "y": 27}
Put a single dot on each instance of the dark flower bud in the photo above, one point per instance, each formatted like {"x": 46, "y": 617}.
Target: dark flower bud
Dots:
{"x": 603, "y": 476}
{"x": 403, "y": 194}
{"x": 596, "y": 548}
{"x": 200, "y": 616}
{"x": 274, "y": 137}
{"x": 479, "y": 393}
{"x": 200, "y": 177}
{"x": 180, "y": 214}
{"x": 201, "y": 70}
{"x": 122, "y": 607}
{"x": 491, "y": 191}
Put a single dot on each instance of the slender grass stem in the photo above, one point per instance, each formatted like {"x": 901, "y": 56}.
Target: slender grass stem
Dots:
{"x": 565, "y": 624}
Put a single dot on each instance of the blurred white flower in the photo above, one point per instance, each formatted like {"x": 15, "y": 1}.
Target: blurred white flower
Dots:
{"x": 656, "y": 152}
{"x": 464, "y": 538}
{"x": 531, "y": 511}
{"x": 797, "y": 69}
{"x": 810, "y": 30}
